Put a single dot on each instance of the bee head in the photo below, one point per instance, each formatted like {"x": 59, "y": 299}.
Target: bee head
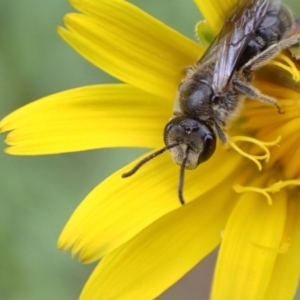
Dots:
{"x": 195, "y": 141}
{"x": 190, "y": 142}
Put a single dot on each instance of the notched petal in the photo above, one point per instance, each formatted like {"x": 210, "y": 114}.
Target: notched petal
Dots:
{"x": 91, "y": 117}
{"x": 130, "y": 45}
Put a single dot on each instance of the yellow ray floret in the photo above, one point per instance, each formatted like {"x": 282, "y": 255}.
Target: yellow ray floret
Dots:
{"x": 130, "y": 45}
{"x": 163, "y": 252}
{"x": 125, "y": 207}
{"x": 114, "y": 115}
{"x": 248, "y": 252}
{"x": 215, "y": 12}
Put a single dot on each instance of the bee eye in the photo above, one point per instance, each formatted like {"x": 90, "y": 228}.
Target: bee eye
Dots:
{"x": 209, "y": 146}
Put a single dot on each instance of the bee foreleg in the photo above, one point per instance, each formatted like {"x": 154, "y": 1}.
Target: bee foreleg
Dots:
{"x": 253, "y": 93}
{"x": 220, "y": 133}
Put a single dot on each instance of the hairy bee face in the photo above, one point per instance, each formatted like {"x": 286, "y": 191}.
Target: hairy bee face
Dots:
{"x": 195, "y": 141}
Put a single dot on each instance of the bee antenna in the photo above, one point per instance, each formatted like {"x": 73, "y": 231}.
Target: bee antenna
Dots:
{"x": 146, "y": 159}
{"x": 181, "y": 177}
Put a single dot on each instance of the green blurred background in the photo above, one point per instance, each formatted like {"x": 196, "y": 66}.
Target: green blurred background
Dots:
{"x": 38, "y": 194}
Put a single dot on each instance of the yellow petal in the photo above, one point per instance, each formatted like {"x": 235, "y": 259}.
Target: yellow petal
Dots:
{"x": 162, "y": 253}
{"x": 87, "y": 118}
{"x": 215, "y": 12}
{"x": 120, "y": 208}
{"x": 130, "y": 45}
{"x": 285, "y": 278}
{"x": 250, "y": 247}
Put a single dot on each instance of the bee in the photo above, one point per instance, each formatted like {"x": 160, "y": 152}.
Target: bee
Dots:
{"x": 214, "y": 89}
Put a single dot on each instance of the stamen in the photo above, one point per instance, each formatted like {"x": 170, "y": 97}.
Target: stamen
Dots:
{"x": 274, "y": 188}
{"x": 242, "y": 189}
{"x": 255, "y": 158}
{"x": 287, "y": 65}
{"x": 279, "y": 250}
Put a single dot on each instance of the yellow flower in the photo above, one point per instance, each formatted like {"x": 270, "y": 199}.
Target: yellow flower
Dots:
{"x": 146, "y": 239}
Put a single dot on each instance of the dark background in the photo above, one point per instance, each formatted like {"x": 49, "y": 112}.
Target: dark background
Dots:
{"x": 38, "y": 194}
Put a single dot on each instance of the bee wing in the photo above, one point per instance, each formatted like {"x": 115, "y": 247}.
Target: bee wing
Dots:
{"x": 234, "y": 37}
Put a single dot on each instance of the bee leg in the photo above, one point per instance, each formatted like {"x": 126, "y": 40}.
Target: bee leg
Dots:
{"x": 220, "y": 133}
{"x": 253, "y": 93}
{"x": 270, "y": 53}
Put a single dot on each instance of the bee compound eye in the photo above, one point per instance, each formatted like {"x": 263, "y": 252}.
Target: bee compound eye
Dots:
{"x": 209, "y": 147}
